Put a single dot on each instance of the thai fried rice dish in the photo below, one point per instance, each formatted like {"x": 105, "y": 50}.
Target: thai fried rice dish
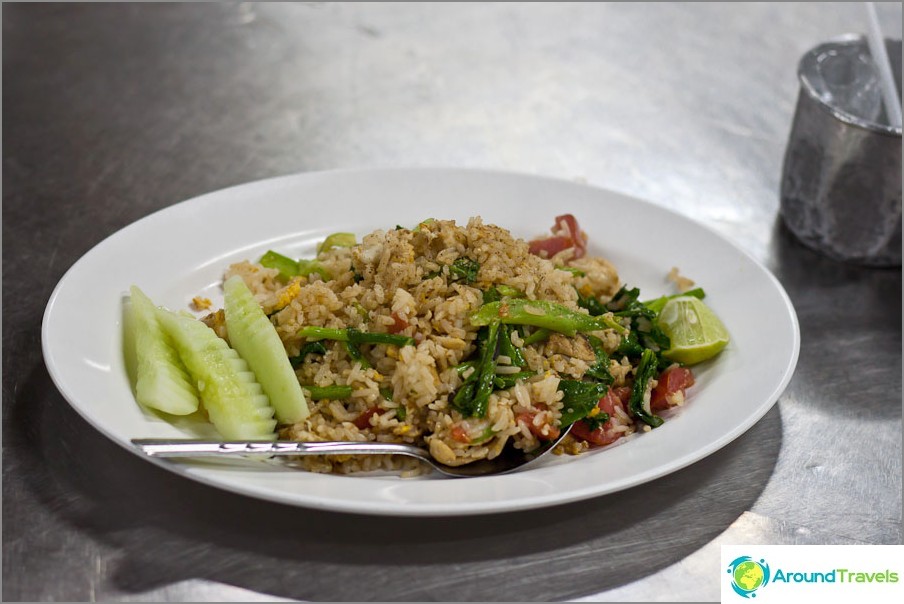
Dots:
{"x": 463, "y": 339}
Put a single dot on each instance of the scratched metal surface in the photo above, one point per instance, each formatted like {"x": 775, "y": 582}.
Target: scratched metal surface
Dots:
{"x": 111, "y": 112}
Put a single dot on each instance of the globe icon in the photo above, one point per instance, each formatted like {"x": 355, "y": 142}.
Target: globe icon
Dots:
{"x": 748, "y": 575}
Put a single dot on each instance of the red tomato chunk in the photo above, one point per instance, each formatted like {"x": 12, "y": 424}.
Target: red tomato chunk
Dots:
{"x": 669, "y": 390}
{"x": 573, "y": 237}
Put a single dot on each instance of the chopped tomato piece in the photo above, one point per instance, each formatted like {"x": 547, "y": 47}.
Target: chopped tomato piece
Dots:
{"x": 670, "y": 387}
{"x": 572, "y": 237}
{"x": 611, "y": 430}
{"x": 460, "y": 434}
{"x": 363, "y": 421}
{"x": 624, "y": 395}
{"x": 543, "y": 431}
{"x": 577, "y": 235}
{"x": 398, "y": 325}
{"x": 551, "y": 245}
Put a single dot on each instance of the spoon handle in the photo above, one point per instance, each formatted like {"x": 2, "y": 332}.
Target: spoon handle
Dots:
{"x": 155, "y": 447}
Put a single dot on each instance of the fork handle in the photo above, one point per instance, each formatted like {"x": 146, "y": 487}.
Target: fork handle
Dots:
{"x": 155, "y": 447}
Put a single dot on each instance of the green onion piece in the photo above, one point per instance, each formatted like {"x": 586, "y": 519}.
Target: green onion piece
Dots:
{"x": 386, "y": 393}
{"x": 333, "y": 393}
{"x": 401, "y": 413}
{"x": 287, "y": 267}
{"x": 337, "y": 240}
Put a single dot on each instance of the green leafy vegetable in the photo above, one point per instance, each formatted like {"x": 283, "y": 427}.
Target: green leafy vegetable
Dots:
{"x": 643, "y": 322}
{"x": 462, "y": 367}
{"x": 506, "y": 348}
{"x": 541, "y": 313}
{"x": 472, "y": 398}
{"x": 646, "y": 370}
{"x": 538, "y": 336}
{"x": 574, "y": 271}
{"x": 308, "y": 348}
{"x": 464, "y": 269}
{"x": 353, "y": 338}
{"x": 323, "y": 333}
{"x": 579, "y": 399}
{"x": 504, "y": 382}
{"x": 354, "y": 352}
{"x": 596, "y": 421}
{"x": 600, "y": 368}
{"x": 491, "y": 295}
{"x": 592, "y": 304}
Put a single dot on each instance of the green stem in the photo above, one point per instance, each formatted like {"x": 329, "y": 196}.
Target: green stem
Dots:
{"x": 333, "y": 393}
{"x": 541, "y": 313}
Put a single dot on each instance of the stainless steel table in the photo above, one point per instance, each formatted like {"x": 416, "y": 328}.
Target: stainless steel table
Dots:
{"x": 111, "y": 112}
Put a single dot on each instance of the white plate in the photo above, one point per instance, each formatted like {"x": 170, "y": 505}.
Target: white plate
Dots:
{"x": 181, "y": 252}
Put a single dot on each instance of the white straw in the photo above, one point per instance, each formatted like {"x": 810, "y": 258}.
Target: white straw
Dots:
{"x": 880, "y": 57}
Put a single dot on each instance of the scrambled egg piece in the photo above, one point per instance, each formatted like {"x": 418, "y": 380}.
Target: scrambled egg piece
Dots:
{"x": 287, "y": 295}
{"x": 200, "y": 303}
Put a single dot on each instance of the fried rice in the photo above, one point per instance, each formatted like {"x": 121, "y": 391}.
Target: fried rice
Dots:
{"x": 401, "y": 281}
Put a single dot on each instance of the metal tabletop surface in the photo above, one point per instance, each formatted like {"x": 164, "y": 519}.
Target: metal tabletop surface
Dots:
{"x": 111, "y": 112}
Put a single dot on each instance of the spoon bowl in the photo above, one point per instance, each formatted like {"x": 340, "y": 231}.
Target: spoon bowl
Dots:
{"x": 510, "y": 460}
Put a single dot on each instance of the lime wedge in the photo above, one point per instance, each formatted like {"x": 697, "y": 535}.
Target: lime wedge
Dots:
{"x": 695, "y": 331}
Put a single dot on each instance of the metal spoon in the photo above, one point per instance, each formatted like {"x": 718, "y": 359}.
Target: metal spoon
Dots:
{"x": 509, "y": 460}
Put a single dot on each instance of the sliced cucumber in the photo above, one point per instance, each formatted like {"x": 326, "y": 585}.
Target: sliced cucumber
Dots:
{"x": 161, "y": 380}
{"x": 256, "y": 340}
{"x": 235, "y": 402}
